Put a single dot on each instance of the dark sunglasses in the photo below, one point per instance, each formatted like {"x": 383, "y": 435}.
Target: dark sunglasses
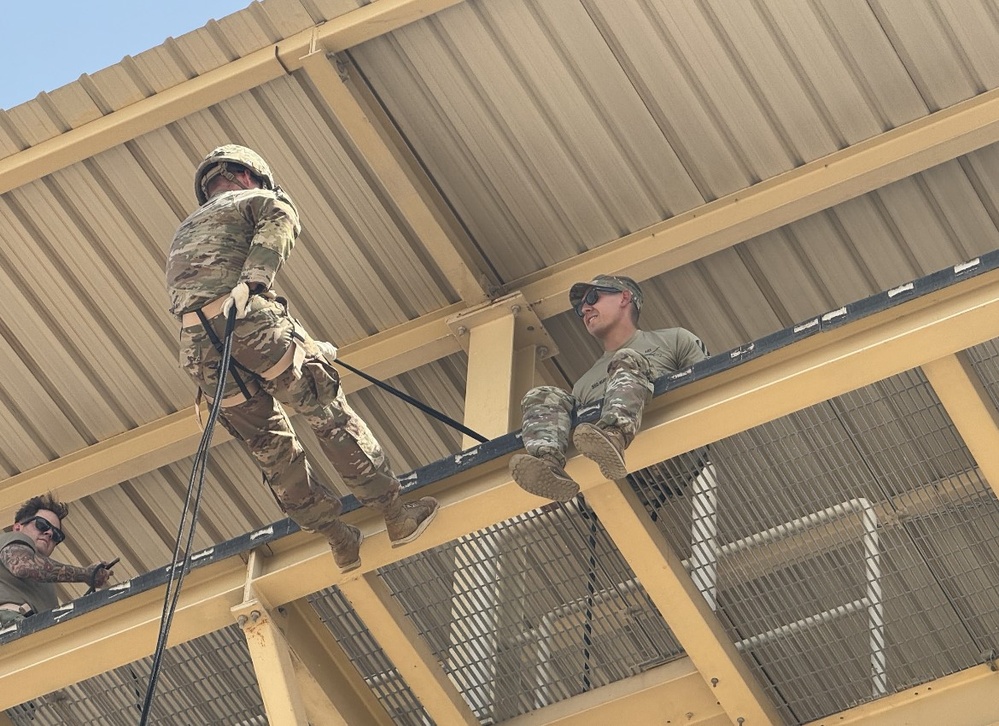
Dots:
{"x": 43, "y": 525}
{"x": 591, "y": 297}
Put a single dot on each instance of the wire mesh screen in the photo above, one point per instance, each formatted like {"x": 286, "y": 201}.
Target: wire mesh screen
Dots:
{"x": 531, "y": 611}
{"x": 849, "y": 548}
{"x": 209, "y": 680}
{"x": 382, "y": 677}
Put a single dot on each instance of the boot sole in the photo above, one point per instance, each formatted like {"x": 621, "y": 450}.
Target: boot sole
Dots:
{"x": 535, "y": 476}
{"x": 419, "y": 530}
{"x": 592, "y": 444}
{"x": 356, "y": 563}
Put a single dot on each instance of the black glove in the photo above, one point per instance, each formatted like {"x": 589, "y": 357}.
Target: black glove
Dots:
{"x": 100, "y": 573}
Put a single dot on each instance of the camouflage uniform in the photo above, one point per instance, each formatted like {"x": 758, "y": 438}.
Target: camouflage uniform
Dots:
{"x": 244, "y": 236}
{"x": 623, "y": 379}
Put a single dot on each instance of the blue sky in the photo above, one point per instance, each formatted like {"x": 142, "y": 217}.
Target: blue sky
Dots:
{"x": 49, "y": 43}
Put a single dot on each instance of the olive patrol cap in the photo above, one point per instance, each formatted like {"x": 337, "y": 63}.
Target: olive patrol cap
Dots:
{"x": 616, "y": 283}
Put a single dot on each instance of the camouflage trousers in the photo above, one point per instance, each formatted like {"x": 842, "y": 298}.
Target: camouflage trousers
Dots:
{"x": 262, "y": 424}
{"x": 547, "y": 410}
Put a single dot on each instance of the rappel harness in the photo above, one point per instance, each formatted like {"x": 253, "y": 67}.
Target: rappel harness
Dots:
{"x": 234, "y": 365}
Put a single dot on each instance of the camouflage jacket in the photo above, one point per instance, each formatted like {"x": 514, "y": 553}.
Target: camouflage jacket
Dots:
{"x": 237, "y": 236}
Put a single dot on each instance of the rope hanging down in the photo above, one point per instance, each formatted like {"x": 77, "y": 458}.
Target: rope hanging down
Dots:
{"x": 179, "y": 565}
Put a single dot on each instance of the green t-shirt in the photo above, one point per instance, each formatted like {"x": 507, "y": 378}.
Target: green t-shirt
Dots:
{"x": 40, "y": 595}
{"x": 669, "y": 350}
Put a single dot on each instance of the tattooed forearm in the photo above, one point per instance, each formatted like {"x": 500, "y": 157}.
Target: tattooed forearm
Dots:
{"x": 27, "y": 565}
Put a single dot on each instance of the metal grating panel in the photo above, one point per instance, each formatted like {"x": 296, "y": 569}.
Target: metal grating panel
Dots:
{"x": 531, "y": 611}
{"x": 368, "y": 657}
{"x": 984, "y": 360}
{"x": 848, "y": 548}
{"x": 209, "y": 680}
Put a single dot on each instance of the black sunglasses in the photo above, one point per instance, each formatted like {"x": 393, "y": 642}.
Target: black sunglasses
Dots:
{"x": 591, "y": 297}
{"x": 43, "y": 525}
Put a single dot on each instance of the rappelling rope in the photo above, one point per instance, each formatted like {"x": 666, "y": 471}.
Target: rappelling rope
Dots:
{"x": 180, "y": 564}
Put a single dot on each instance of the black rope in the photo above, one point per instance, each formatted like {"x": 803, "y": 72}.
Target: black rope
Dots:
{"x": 179, "y": 565}
{"x": 235, "y": 364}
{"x": 591, "y": 588}
{"x": 413, "y": 402}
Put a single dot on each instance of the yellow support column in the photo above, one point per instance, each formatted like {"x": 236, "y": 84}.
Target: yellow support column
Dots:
{"x": 273, "y": 665}
{"x": 504, "y": 341}
{"x": 490, "y": 378}
{"x": 270, "y": 653}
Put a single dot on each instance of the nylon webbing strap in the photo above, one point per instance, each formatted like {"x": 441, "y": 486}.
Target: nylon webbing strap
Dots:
{"x": 413, "y": 402}
{"x": 233, "y": 363}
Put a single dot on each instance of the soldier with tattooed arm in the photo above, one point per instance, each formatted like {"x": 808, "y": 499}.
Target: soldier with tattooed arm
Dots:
{"x": 27, "y": 571}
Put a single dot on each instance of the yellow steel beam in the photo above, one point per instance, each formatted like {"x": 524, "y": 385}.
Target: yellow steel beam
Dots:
{"x": 117, "y": 634}
{"x": 673, "y": 693}
{"x": 238, "y": 76}
{"x": 410, "y": 653}
{"x": 269, "y": 652}
{"x": 350, "y": 698}
{"x": 391, "y": 162}
{"x": 489, "y": 380}
{"x": 692, "y": 621}
{"x": 961, "y": 392}
{"x": 807, "y": 372}
{"x": 319, "y": 709}
{"x": 358, "y": 26}
{"x": 967, "y": 698}
{"x": 272, "y": 664}
{"x": 138, "y": 118}
{"x": 108, "y": 462}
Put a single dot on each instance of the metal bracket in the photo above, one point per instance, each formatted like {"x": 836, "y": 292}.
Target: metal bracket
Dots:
{"x": 528, "y": 328}
{"x": 253, "y": 601}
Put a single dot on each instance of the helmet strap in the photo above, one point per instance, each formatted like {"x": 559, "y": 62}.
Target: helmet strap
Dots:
{"x": 221, "y": 169}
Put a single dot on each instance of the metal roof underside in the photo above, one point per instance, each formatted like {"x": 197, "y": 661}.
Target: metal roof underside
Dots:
{"x": 756, "y": 165}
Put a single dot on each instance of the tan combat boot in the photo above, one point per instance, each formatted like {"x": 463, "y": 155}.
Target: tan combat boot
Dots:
{"x": 406, "y": 522}
{"x": 604, "y": 446}
{"x": 345, "y": 541}
{"x": 543, "y": 476}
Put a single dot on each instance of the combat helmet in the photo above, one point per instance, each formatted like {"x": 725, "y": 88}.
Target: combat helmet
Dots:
{"x": 215, "y": 163}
